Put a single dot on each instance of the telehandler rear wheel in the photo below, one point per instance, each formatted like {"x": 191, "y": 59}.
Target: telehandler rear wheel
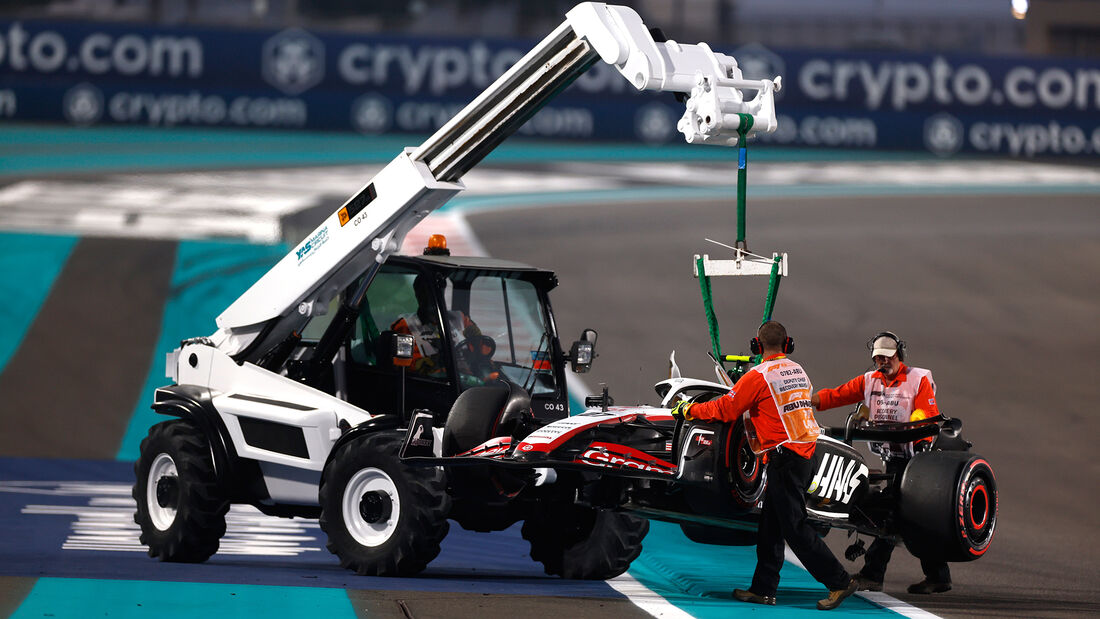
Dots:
{"x": 583, "y": 543}
{"x": 382, "y": 517}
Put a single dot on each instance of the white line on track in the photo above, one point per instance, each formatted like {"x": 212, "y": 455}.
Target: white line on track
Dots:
{"x": 875, "y": 597}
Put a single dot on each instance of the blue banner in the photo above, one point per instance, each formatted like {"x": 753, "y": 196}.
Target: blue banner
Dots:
{"x": 93, "y": 73}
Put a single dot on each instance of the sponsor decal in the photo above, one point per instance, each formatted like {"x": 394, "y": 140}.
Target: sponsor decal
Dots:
{"x": 418, "y": 441}
{"x": 372, "y": 114}
{"x": 943, "y": 134}
{"x": 548, "y": 437}
{"x": 540, "y": 361}
{"x": 8, "y": 103}
{"x": 498, "y": 446}
{"x": 655, "y": 123}
{"x": 621, "y": 457}
{"x": 293, "y": 61}
{"x": 83, "y": 105}
{"x": 760, "y": 63}
{"x": 314, "y": 242}
{"x": 837, "y": 478}
{"x": 198, "y": 108}
{"x": 99, "y": 53}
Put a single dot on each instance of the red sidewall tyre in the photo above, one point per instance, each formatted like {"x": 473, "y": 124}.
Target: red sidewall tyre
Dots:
{"x": 948, "y": 506}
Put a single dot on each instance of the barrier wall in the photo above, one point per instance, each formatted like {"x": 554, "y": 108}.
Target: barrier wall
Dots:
{"x": 92, "y": 73}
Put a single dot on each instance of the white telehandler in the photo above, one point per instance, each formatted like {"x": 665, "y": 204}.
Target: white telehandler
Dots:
{"x": 297, "y": 403}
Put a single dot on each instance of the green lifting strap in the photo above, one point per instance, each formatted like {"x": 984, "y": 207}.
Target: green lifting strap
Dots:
{"x": 773, "y": 289}
{"x": 708, "y": 308}
{"x": 769, "y": 303}
{"x": 742, "y": 175}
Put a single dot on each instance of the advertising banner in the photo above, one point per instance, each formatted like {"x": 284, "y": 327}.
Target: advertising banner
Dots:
{"x": 97, "y": 73}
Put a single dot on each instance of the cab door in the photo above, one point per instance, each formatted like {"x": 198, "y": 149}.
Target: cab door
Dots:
{"x": 374, "y": 383}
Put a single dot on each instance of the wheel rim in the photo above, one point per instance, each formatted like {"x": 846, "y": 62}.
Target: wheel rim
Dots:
{"x": 978, "y": 506}
{"x": 371, "y": 507}
{"x": 978, "y": 510}
{"x": 163, "y": 467}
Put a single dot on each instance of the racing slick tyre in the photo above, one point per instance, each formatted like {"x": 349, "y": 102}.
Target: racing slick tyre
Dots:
{"x": 479, "y": 414}
{"x": 382, "y": 517}
{"x": 179, "y": 508}
{"x": 948, "y": 506}
{"x": 582, "y": 543}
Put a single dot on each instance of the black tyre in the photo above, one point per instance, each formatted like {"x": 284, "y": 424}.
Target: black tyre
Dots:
{"x": 739, "y": 478}
{"x": 948, "y": 506}
{"x": 179, "y": 507}
{"x": 481, "y": 413}
{"x": 382, "y": 518}
{"x": 582, "y": 543}
{"x": 473, "y": 418}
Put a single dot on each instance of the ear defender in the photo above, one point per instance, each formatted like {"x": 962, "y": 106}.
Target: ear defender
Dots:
{"x": 757, "y": 347}
{"x": 900, "y": 344}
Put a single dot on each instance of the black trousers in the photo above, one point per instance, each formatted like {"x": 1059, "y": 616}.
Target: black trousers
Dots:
{"x": 878, "y": 554}
{"x": 783, "y": 518}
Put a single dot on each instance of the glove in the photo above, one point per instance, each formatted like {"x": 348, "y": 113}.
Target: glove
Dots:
{"x": 680, "y": 411}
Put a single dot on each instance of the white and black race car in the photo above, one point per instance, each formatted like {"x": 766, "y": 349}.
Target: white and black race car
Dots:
{"x": 583, "y": 484}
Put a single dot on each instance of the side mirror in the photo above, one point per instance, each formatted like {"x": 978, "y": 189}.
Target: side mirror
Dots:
{"x": 583, "y": 351}
{"x": 402, "y": 349}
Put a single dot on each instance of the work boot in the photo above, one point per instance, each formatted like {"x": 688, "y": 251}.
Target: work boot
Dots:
{"x": 836, "y": 596}
{"x": 926, "y": 586}
{"x": 749, "y": 596}
{"x": 863, "y": 583}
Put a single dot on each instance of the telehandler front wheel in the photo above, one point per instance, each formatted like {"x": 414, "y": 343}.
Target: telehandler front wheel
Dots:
{"x": 179, "y": 508}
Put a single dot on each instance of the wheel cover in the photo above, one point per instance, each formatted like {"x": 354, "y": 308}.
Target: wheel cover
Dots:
{"x": 369, "y": 482}
{"x": 163, "y": 466}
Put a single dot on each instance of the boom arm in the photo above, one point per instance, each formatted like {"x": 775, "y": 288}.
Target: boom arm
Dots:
{"x": 372, "y": 224}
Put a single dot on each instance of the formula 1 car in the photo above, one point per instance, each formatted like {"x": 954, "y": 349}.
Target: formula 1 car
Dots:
{"x": 702, "y": 475}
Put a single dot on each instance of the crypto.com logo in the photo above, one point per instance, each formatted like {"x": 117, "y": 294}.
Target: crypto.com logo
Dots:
{"x": 83, "y": 105}
{"x": 943, "y": 134}
{"x": 760, "y": 63}
{"x": 293, "y": 61}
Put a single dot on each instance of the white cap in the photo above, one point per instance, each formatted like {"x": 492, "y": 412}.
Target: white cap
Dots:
{"x": 884, "y": 345}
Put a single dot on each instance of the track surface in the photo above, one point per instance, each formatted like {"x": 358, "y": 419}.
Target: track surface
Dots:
{"x": 997, "y": 295}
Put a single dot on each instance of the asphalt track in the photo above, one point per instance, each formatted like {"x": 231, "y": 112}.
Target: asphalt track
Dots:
{"x": 996, "y": 294}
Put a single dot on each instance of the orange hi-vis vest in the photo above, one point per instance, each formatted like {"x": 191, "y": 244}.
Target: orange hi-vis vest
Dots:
{"x": 911, "y": 388}
{"x": 774, "y": 400}
{"x": 898, "y": 400}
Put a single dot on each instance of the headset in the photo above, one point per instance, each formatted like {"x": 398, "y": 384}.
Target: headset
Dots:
{"x": 901, "y": 346}
{"x": 757, "y": 347}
